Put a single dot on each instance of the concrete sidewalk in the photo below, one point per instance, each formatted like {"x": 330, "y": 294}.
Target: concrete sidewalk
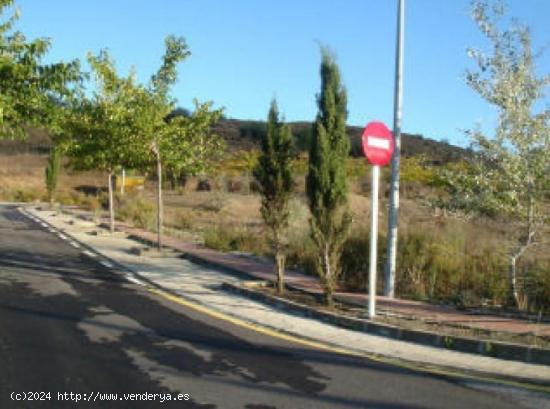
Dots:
{"x": 202, "y": 285}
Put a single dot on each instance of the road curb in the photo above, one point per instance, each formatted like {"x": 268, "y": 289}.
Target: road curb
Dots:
{"x": 493, "y": 349}
{"x": 235, "y": 272}
{"x": 98, "y": 256}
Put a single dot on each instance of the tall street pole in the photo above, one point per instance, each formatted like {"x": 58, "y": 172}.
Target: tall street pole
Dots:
{"x": 389, "y": 287}
{"x": 373, "y": 241}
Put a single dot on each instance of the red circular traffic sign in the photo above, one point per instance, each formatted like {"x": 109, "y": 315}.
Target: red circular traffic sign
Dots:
{"x": 378, "y": 144}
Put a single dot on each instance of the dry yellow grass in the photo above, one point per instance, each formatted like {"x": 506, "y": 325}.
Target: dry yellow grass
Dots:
{"x": 189, "y": 208}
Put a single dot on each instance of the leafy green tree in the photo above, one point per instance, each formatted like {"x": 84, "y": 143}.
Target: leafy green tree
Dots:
{"x": 509, "y": 171}
{"x": 31, "y": 92}
{"x": 181, "y": 144}
{"x": 104, "y": 128}
{"x": 27, "y": 87}
{"x": 274, "y": 175}
{"x": 189, "y": 146}
{"x": 61, "y": 116}
{"x": 326, "y": 184}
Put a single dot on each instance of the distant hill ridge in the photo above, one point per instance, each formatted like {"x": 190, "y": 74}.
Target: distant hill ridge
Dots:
{"x": 246, "y": 135}
{"x": 37, "y": 142}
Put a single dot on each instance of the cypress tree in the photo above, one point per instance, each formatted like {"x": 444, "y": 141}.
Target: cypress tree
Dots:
{"x": 52, "y": 172}
{"x": 326, "y": 183}
{"x": 274, "y": 175}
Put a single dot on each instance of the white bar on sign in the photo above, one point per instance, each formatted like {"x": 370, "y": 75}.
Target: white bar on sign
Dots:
{"x": 378, "y": 143}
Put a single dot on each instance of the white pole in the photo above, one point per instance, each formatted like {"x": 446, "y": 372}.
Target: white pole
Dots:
{"x": 123, "y": 181}
{"x": 373, "y": 240}
{"x": 389, "y": 287}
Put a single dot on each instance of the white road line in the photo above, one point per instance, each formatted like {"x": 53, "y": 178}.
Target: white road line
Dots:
{"x": 43, "y": 224}
{"x": 106, "y": 264}
{"x": 89, "y": 253}
{"x": 135, "y": 280}
{"x": 74, "y": 244}
{"x": 62, "y": 236}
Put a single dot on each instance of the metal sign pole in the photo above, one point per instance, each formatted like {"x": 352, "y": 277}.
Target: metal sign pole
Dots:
{"x": 378, "y": 147}
{"x": 373, "y": 240}
{"x": 389, "y": 287}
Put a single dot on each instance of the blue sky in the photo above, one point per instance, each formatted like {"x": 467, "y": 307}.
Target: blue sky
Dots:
{"x": 245, "y": 52}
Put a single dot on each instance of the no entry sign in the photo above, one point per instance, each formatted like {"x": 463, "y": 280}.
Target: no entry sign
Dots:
{"x": 378, "y": 144}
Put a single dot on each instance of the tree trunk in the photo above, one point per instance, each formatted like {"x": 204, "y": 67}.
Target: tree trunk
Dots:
{"x": 280, "y": 258}
{"x": 329, "y": 302}
{"x": 530, "y": 235}
{"x": 512, "y": 281}
{"x": 160, "y": 210}
{"x": 123, "y": 181}
{"x": 111, "y": 204}
{"x": 173, "y": 180}
{"x": 328, "y": 277}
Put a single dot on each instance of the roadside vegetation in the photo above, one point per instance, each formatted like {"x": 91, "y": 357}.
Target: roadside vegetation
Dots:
{"x": 273, "y": 174}
{"x": 326, "y": 180}
{"x": 474, "y": 223}
{"x": 443, "y": 258}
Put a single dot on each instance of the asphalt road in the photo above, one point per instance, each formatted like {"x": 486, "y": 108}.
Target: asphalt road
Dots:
{"x": 70, "y": 325}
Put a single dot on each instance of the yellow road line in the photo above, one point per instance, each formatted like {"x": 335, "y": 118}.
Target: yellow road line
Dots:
{"x": 319, "y": 345}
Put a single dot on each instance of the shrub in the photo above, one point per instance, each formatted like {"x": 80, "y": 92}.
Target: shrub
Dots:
{"x": 180, "y": 219}
{"x": 239, "y": 184}
{"x": 356, "y": 168}
{"x": 25, "y": 195}
{"x": 235, "y": 238}
{"x": 450, "y": 264}
{"x": 254, "y": 186}
{"x": 214, "y": 202}
{"x": 301, "y": 253}
{"x": 535, "y": 283}
{"x": 356, "y": 258}
{"x": 416, "y": 170}
{"x": 203, "y": 185}
{"x": 134, "y": 209}
{"x": 300, "y": 164}
{"x": 238, "y": 163}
